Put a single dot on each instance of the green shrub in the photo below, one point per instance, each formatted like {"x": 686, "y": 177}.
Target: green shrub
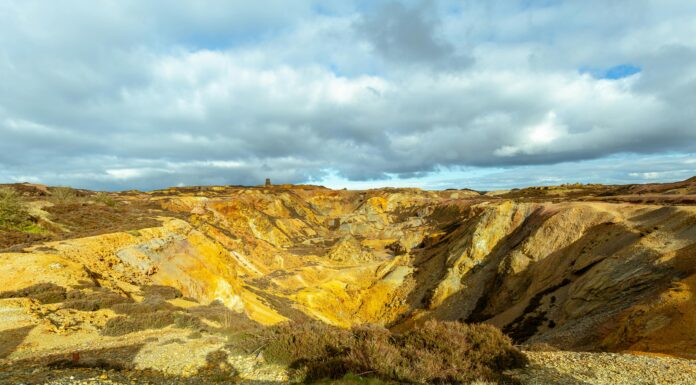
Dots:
{"x": 32, "y": 228}
{"x": 435, "y": 352}
{"x": 13, "y": 211}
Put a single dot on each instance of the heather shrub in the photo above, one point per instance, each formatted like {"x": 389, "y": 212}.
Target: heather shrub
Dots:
{"x": 455, "y": 352}
{"x": 99, "y": 298}
{"x": 159, "y": 319}
{"x": 46, "y": 293}
{"x": 164, "y": 292}
{"x": 435, "y": 352}
{"x": 148, "y": 305}
{"x": 230, "y": 321}
{"x": 304, "y": 342}
{"x": 122, "y": 325}
{"x": 152, "y": 313}
{"x": 13, "y": 212}
{"x": 64, "y": 195}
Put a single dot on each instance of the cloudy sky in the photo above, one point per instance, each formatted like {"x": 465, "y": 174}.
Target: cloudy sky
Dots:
{"x": 437, "y": 94}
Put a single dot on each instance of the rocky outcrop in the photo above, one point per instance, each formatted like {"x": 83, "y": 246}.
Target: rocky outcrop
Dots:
{"x": 349, "y": 250}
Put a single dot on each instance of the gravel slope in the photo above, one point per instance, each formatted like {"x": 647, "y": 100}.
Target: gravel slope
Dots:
{"x": 579, "y": 368}
{"x": 546, "y": 368}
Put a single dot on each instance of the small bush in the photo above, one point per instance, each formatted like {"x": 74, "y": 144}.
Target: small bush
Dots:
{"x": 64, "y": 195}
{"x": 435, "y": 352}
{"x": 149, "y": 305}
{"x": 164, "y": 292}
{"x": 93, "y": 301}
{"x": 303, "y": 342}
{"x": 13, "y": 212}
{"x": 123, "y": 325}
{"x": 152, "y": 313}
{"x": 105, "y": 199}
{"x": 187, "y": 321}
{"x": 45, "y": 293}
{"x": 230, "y": 321}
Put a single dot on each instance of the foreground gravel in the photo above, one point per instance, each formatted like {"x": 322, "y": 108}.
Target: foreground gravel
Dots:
{"x": 546, "y": 368}
{"x": 578, "y": 368}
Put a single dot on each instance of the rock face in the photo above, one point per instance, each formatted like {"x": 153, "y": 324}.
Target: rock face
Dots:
{"x": 576, "y": 272}
{"x": 349, "y": 250}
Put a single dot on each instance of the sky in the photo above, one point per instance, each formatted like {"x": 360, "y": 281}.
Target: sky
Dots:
{"x": 132, "y": 94}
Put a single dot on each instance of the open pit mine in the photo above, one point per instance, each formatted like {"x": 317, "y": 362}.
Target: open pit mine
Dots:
{"x": 168, "y": 284}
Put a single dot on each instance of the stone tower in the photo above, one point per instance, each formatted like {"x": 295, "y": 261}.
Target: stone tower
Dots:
{"x": 268, "y": 182}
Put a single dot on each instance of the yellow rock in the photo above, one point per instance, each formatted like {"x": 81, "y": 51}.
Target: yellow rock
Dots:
{"x": 577, "y": 274}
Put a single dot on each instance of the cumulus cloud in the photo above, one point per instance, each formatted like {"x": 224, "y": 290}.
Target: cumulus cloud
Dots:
{"x": 148, "y": 94}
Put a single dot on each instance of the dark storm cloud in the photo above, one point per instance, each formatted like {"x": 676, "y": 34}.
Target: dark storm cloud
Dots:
{"x": 150, "y": 94}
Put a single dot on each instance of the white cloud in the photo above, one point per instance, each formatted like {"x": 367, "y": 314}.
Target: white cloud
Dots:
{"x": 646, "y": 175}
{"x": 125, "y": 173}
{"x": 537, "y": 138}
{"x": 142, "y": 94}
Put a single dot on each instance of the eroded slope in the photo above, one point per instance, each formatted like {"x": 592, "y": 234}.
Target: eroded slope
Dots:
{"x": 577, "y": 274}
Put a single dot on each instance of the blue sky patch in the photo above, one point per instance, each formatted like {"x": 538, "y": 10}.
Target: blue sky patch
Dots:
{"x": 615, "y": 72}
{"x": 621, "y": 71}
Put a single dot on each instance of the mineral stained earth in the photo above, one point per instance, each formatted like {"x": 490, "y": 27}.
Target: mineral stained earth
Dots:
{"x": 596, "y": 283}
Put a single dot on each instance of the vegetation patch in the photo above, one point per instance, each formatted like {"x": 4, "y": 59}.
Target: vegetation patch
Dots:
{"x": 14, "y": 240}
{"x": 99, "y": 298}
{"x": 229, "y": 321}
{"x": 123, "y": 325}
{"x": 13, "y": 211}
{"x": 435, "y": 352}
{"x": 65, "y": 195}
{"x": 85, "y": 219}
{"x": 160, "y": 291}
{"x": 104, "y": 199}
{"x": 45, "y": 293}
{"x": 17, "y": 226}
